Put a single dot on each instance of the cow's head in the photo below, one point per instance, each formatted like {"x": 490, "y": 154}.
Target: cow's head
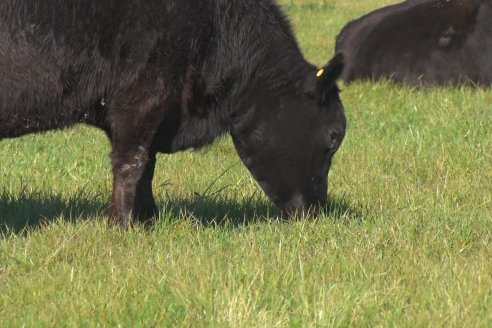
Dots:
{"x": 289, "y": 148}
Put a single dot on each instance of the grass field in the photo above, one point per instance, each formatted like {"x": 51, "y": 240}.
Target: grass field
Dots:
{"x": 406, "y": 242}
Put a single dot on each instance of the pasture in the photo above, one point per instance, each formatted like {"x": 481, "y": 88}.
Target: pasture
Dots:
{"x": 406, "y": 240}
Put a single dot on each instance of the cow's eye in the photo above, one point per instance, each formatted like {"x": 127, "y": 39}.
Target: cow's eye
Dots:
{"x": 329, "y": 151}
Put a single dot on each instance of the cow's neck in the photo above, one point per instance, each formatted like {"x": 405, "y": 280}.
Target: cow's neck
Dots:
{"x": 253, "y": 59}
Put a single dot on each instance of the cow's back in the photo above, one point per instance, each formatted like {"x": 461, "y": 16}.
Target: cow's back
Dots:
{"x": 59, "y": 59}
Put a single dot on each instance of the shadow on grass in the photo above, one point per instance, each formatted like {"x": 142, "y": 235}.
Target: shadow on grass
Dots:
{"x": 212, "y": 211}
{"x": 32, "y": 210}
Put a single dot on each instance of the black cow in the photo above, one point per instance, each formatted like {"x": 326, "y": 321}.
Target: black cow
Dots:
{"x": 429, "y": 42}
{"x": 168, "y": 75}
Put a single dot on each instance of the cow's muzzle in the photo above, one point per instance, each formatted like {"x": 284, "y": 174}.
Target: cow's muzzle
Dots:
{"x": 300, "y": 207}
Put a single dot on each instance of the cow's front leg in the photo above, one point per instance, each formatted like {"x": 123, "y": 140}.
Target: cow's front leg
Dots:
{"x": 144, "y": 208}
{"x": 135, "y": 117}
{"x": 129, "y": 170}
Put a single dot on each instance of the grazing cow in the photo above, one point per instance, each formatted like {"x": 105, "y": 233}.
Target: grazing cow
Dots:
{"x": 429, "y": 42}
{"x": 169, "y": 75}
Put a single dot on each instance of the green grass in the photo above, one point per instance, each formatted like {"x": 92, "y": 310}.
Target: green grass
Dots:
{"x": 406, "y": 242}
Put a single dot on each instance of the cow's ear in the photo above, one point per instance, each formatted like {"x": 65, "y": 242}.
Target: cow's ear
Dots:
{"x": 326, "y": 78}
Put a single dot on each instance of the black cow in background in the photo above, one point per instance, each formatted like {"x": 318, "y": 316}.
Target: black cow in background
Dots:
{"x": 421, "y": 42}
{"x": 168, "y": 75}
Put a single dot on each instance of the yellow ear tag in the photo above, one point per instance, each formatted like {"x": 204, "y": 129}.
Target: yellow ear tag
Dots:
{"x": 320, "y": 72}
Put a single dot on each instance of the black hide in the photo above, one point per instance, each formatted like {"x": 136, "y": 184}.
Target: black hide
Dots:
{"x": 429, "y": 42}
{"x": 168, "y": 75}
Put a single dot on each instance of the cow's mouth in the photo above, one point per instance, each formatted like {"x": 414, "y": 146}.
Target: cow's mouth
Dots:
{"x": 294, "y": 204}
{"x": 301, "y": 206}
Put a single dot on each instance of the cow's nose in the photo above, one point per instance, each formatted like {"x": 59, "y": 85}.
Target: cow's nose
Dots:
{"x": 295, "y": 206}
{"x": 320, "y": 202}
{"x": 300, "y": 206}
